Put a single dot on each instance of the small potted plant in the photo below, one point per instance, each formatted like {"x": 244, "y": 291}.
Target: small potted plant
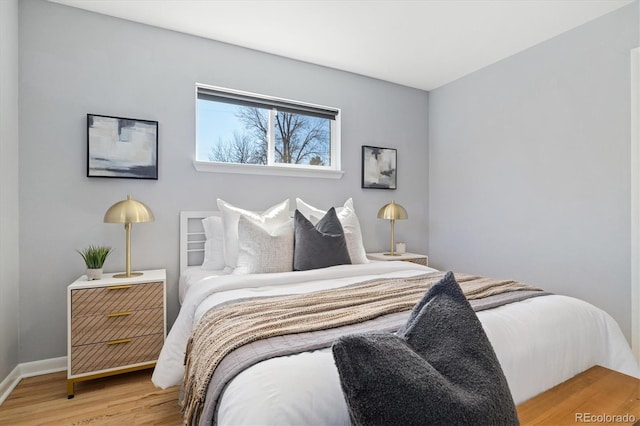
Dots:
{"x": 94, "y": 257}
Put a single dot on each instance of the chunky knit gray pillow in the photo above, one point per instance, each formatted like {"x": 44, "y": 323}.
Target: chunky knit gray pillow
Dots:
{"x": 440, "y": 369}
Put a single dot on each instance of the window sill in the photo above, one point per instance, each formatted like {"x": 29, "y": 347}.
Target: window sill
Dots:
{"x": 252, "y": 169}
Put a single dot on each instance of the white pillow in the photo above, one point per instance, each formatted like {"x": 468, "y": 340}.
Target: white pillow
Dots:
{"x": 350, "y": 224}
{"x": 262, "y": 251}
{"x": 270, "y": 219}
{"x": 213, "y": 246}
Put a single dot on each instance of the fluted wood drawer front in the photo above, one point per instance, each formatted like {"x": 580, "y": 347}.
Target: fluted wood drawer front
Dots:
{"x": 102, "y": 356}
{"x": 116, "y": 325}
{"x": 421, "y": 261}
{"x": 103, "y": 300}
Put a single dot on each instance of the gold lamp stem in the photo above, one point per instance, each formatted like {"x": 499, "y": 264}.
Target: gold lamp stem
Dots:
{"x": 393, "y": 238}
{"x": 128, "y": 273}
{"x": 127, "y": 230}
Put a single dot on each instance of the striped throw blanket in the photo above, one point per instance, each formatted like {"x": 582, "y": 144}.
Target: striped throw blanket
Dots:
{"x": 225, "y": 329}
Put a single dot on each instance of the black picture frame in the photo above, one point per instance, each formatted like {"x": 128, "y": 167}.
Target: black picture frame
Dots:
{"x": 379, "y": 167}
{"x": 119, "y": 147}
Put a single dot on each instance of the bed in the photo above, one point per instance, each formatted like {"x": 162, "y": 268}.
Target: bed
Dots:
{"x": 539, "y": 341}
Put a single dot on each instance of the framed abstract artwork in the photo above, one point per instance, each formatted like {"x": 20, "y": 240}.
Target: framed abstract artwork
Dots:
{"x": 122, "y": 147}
{"x": 379, "y": 167}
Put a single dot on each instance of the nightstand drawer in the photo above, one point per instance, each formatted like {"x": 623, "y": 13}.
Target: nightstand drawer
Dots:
{"x": 419, "y": 261}
{"x": 113, "y": 354}
{"x": 116, "y": 298}
{"x": 116, "y": 325}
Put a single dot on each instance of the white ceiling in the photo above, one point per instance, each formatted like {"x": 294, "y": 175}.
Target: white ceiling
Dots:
{"x": 418, "y": 43}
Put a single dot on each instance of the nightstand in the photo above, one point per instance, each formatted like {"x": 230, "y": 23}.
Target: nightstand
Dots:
{"x": 406, "y": 257}
{"x": 114, "y": 325}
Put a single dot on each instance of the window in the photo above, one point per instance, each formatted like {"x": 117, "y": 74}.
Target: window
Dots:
{"x": 243, "y": 132}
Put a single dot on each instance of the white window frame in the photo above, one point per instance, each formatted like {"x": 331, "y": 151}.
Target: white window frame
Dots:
{"x": 275, "y": 169}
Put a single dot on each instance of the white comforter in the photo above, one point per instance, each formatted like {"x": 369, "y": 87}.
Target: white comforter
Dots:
{"x": 540, "y": 342}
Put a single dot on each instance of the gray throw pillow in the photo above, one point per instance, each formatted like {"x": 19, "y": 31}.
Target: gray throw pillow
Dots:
{"x": 321, "y": 245}
{"x": 440, "y": 369}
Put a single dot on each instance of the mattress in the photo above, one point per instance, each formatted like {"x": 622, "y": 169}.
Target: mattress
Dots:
{"x": 540, "y": 342}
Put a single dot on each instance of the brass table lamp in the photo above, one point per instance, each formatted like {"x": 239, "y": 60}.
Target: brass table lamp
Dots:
{"x": 128, "y": 211}
{"x": 391, "y": 212}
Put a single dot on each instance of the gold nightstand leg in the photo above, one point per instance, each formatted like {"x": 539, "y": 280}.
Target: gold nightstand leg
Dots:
{"x": 70, "y": 392}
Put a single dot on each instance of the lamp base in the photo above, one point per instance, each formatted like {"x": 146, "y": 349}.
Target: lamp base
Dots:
{"x": 125, "y": 275}
{"x": 392, "y": 254}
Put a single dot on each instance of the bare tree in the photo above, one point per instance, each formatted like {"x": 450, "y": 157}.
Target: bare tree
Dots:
{"x": 241, "y": 149}
{"x": 299, "y": 139}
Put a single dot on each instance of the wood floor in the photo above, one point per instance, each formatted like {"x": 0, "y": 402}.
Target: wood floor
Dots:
{"x": 126, "y": 399}
{"x": 131, "y": 399}
{"x": 597, "y": 395}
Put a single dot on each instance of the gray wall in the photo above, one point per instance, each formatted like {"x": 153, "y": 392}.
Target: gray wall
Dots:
{"x": 8, "y": 186}
{"x": 75, "y": 62}
{"x": 529, "y": 166}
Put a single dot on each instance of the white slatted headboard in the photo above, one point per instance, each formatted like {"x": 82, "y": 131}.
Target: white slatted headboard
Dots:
{"x": 192, "y": 237}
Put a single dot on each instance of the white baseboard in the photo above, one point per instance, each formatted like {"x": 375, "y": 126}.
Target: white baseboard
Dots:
{"x": 30, "y": 369}
{"x": 9, "y": 383}
{"x": 45, "y": 366}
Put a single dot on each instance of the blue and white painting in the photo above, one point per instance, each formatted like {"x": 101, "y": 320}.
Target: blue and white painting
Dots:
{"x": 122, "y": 147}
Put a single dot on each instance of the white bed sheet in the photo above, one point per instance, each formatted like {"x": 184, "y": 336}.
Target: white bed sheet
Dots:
{"x": 193, "y": 275}
{"x": 540, "y": 342}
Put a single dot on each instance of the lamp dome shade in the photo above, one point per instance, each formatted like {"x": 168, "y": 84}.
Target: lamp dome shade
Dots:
{"x": 128, "y": 211}
{"x": 392, "y": 211}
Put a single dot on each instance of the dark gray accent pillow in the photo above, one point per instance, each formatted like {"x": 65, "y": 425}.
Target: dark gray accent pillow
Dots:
{"x": 438, "y": 370}
{"x": 321, "y": 245}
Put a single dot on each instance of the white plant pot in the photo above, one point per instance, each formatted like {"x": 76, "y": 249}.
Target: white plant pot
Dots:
{"x": 94, "y": 274}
